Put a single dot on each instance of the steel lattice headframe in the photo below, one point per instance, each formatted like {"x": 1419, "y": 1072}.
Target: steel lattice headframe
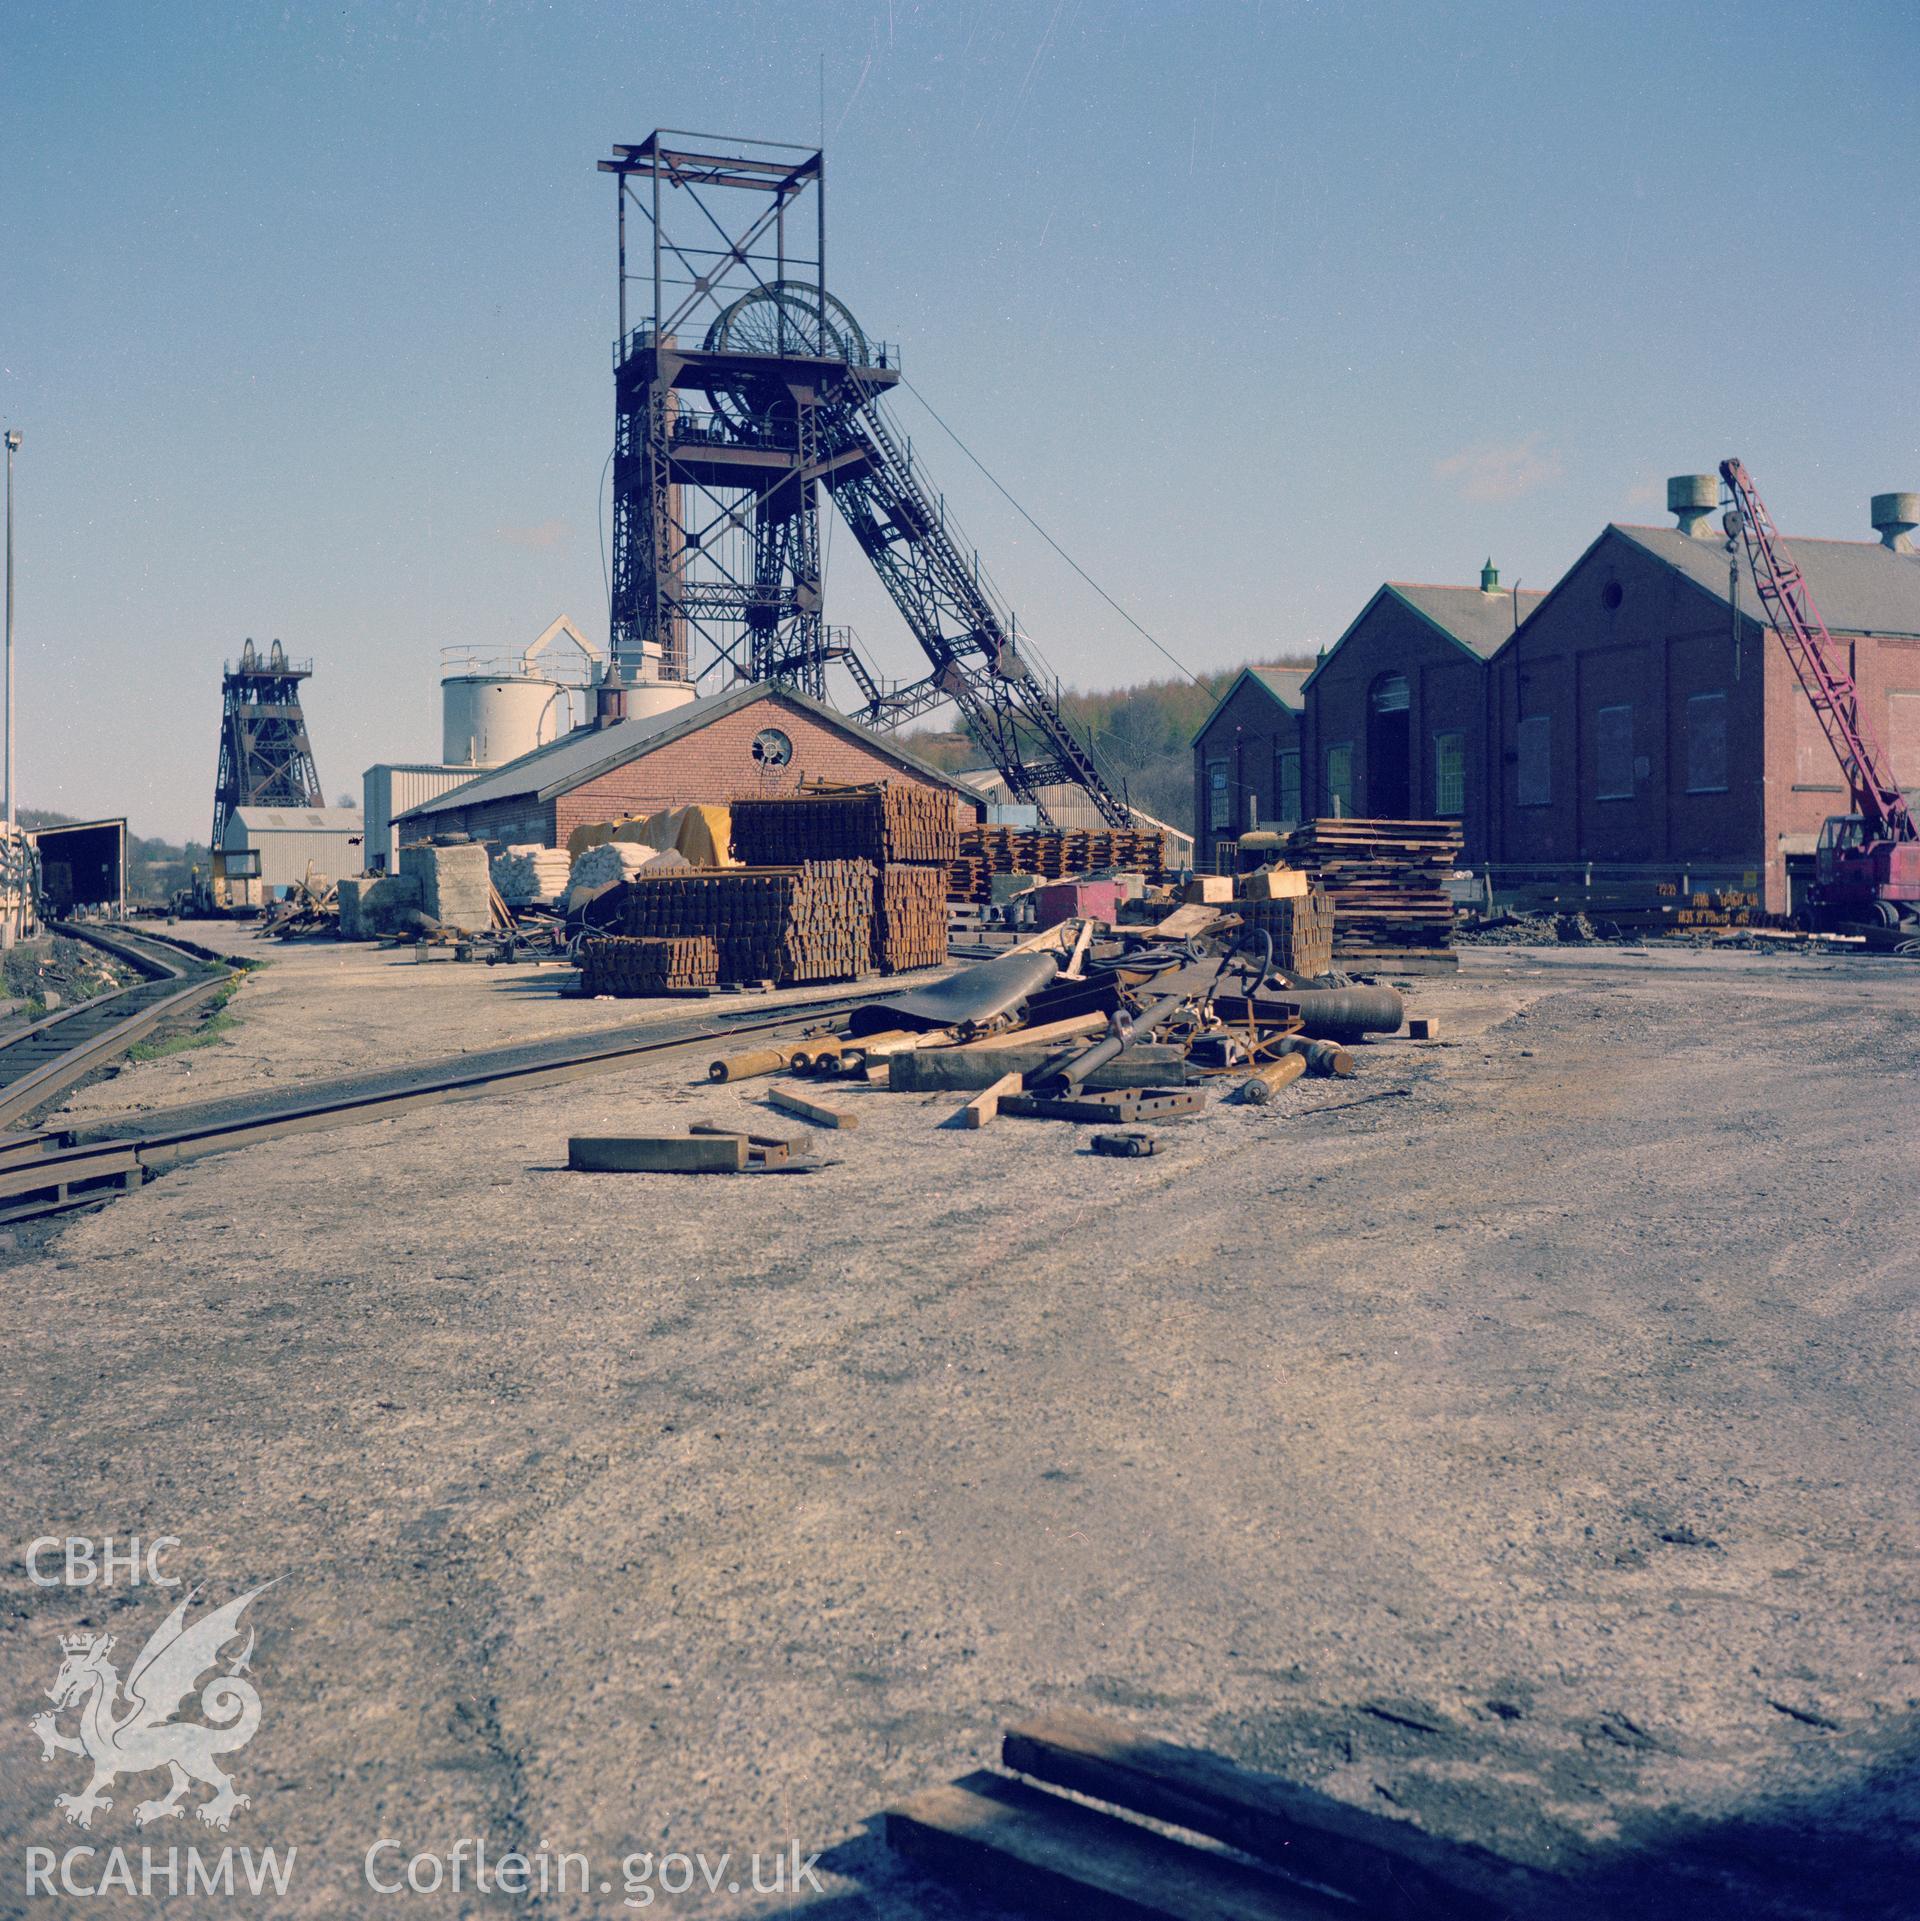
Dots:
{"x": 716, "y": 516}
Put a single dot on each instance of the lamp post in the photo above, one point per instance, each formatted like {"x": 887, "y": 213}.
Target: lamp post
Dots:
{"x": 16, "y": 907}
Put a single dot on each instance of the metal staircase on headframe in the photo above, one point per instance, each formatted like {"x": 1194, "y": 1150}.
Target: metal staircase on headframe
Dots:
{"x": 716, "y": 519}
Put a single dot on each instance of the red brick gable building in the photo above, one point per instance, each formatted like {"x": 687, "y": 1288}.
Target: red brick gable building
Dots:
{"x": 1246, "y": 760}
{"x": 1398, "y": 720}
{"x": 1647, "y": 716}
{"x": 758, "y": 739}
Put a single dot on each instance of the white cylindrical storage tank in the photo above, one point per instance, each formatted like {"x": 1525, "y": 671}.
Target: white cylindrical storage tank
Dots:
{"x": 646, "y": 697}
{"x": 486, "y": 719}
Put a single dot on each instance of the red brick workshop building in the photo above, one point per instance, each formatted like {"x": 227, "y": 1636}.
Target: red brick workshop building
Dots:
{"x": 1398, "y": 720}
{"x": 1246, "y": 761}
{"x": 757, "y": 739}
{"x": 1648, "y": 717}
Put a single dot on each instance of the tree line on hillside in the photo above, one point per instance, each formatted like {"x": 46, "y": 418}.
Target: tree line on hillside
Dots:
{"x": 1142, "y": 737}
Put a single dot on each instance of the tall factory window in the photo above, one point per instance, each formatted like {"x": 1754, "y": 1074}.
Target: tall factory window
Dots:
{"x": 1613, "y": 753}
{"x": 1286, "y": 784}
{"x": 1449, "y": 774}
{"x": 1219, "y": 798}
{"x": 1340, "y": 779}
{"x": 1707, "y": 744}
{"x": 1534, "y": 739}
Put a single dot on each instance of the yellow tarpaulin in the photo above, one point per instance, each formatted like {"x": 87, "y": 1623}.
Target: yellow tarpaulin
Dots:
{"x": 584, "y": 837}
{"x": 703, "y": 836}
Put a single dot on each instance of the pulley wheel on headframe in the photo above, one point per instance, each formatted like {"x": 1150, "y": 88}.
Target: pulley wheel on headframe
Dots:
{"x": 785, "y": 317}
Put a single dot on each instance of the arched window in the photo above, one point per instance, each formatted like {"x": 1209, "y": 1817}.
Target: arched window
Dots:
{"x": 1390, "y": 695}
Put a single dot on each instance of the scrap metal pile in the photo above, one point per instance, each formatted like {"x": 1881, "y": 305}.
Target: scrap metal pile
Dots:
{"x": 309, "y": 911}
{"x": 1089, "y": 1022}
{"x": 1103, "y": 1024}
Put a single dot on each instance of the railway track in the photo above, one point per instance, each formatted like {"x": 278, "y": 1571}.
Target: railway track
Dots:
{"x": 51, "y": 1171}
{"x": 44, "y": 1060}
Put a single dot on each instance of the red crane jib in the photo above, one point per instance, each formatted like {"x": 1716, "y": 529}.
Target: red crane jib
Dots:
{"x": 1820, "y": 665}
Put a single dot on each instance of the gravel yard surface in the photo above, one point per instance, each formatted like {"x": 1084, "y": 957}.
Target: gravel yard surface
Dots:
{"x": 1531, "y": 1456}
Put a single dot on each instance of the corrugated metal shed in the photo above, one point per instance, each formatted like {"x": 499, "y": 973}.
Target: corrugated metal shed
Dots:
{"x": 290, "y": 839}
{"x": 388, "y": 790}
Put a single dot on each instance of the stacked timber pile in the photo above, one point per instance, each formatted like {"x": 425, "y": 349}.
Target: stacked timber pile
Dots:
{"x": 1050, "y": 855}
{"x": 807, "y": 923}
{"x": 1302, "y": 926}
{"x": 1387, "y": 882}
{"x": 907, "y": 833}
{"x": 611, "y": 964}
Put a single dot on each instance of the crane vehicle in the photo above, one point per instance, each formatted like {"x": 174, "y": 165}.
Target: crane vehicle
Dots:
{"x": 1867, "y": 861}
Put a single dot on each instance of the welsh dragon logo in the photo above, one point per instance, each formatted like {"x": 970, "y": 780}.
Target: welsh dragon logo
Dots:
{"x": 127, "y": 1727}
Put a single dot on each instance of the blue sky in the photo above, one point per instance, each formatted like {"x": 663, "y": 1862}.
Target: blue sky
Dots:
{"x": 305, "y": 315}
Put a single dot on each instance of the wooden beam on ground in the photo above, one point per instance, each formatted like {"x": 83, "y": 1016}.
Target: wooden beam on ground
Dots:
{"x": 789, "y": 1102}
{"x": 769, "y": 1150}
{"x": 657, "y": 1153}
{"x": 883, "y": 1047}
{"x": 1192, "y": 917}
{"x": 985, "y": 1105}
{"x": 1039, "y": 1036}
{"x": 1075, "y": 969}
{"x": 1044, "y": 1854}
{"x": 1390, "y": 1867}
